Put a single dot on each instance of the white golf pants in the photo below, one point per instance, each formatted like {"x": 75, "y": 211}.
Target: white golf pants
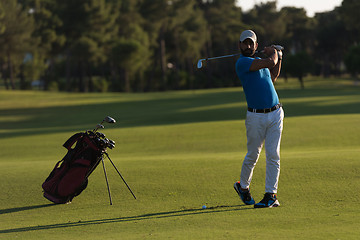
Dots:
{"x": 260, "y": 128}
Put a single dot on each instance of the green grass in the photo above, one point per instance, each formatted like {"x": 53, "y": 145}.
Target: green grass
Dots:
{"x": 179, "y": 151}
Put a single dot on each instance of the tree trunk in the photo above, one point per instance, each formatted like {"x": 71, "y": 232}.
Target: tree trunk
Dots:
{"x": 11, "y": 72}
{"x": 83, "y": 81}
{"x": 114, "y": 76}
{"x": 209, "y": 74}
{"x": 301, "y": 80}
{"x": 162, "y": 57}
{"x": 48, "y": 74}
{"x": 68, "y": 71}
{"x": 81, "y": 78}
{"x": 127, "y": 81}
{"x": 6, "y": 83}
{"x": 22, "y": 80}
{"x": 176, "y": 84}
{"x": 3, "y": 70}
{"x": 190, "y": 77}
{"x": 326, "y": 66}
{"x": 90, "y": 81}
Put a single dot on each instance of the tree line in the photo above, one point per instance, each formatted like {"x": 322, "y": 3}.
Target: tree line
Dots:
{"x": 154, "y": 45}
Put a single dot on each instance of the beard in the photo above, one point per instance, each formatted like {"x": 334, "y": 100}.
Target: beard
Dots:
{"x": 248, "y": 52}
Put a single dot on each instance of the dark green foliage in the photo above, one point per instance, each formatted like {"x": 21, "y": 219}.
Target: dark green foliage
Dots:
{"x": 352, "y": 60}
{"x": 15, "y": 39}
{"x": 349, "y": 11}
{"x": 151, "y": 45}
{"x": 270, "y": 24}
{"x": 298, "y": 65}
{"x": 329, "y": 47}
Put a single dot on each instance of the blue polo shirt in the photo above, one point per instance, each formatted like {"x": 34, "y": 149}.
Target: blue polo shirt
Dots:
{"x": 258, "y": 87}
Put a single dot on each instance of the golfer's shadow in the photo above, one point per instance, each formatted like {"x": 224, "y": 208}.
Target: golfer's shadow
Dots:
{"x": 149, "y": 216}
{"x": 20, "y": 209}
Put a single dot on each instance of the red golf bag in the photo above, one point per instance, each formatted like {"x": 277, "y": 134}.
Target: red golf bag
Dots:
{"x": 70, "y": 175}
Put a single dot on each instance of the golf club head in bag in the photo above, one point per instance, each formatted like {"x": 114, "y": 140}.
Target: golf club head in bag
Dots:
{"x": 107, "y": 119}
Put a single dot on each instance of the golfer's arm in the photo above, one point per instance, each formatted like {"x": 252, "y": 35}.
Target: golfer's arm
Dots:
{"x": 269, "y": 62}
{"x": 275, "y": 71}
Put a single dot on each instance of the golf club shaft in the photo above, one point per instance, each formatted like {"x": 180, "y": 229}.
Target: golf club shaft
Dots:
{"x": 225, "y": 56}
{"x": 199, "y": 64}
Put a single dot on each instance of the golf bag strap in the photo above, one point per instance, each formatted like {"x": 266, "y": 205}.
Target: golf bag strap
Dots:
{"x": 73, "y": 139}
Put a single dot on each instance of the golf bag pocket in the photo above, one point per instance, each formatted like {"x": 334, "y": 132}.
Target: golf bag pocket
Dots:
{"x": 74, "y": 178}
{"x": 51, "y": 182}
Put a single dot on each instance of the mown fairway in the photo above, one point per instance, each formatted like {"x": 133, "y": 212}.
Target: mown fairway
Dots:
{"x": 179, "y": 151}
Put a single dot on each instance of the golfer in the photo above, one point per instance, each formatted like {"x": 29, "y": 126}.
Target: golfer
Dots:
{"x": 264, "y": 118}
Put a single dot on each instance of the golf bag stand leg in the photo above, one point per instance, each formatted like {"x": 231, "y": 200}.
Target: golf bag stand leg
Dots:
{"x": 107, "y": 183}
{"x": 119, "y": 175}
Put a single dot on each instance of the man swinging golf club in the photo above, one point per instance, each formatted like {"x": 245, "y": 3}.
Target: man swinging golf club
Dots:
{"x": 264, "y": 119}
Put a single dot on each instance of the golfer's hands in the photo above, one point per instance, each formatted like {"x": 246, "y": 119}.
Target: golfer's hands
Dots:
{"x": 269, "y": 51}
{"x": 274, "y": 49}
{"x": 279, "y": 49}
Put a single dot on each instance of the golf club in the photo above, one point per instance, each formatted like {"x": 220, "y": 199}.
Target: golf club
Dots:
{"x": 200, "y": 64}
{"x": 107, "y": 119}
{"x": 99, "y": 126}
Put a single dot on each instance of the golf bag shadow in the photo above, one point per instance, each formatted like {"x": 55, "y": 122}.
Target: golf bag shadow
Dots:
{"x": 70, "y": 175}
